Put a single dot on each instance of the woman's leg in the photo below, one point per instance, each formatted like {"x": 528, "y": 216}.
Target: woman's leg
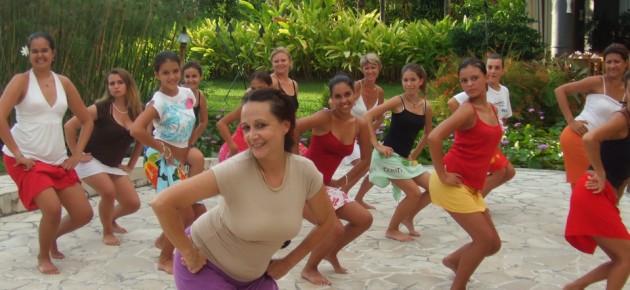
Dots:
{"x": 105, "y": 187}
{"x": 485, "y": 242}
{"x": 165, "y": 261}
{"x": 310, "y": 271}
{"x": 359, "y": 221}
{"x": 366, "y": 185}
{"x": 404, "y": 209}
{"x": 421, "y": 180}
{"x": 128, "y": 200}
{"x": 50, "y": 206}
{"x": 616, "y": 270}
{"x": 80, "y": 213}
{"x": 196, "y": 162}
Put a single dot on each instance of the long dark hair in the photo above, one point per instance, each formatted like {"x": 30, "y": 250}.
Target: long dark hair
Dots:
{"x": 281, "y": 107}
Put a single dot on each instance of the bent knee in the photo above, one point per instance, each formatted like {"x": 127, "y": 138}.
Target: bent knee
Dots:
{"x": 494, "y": 246}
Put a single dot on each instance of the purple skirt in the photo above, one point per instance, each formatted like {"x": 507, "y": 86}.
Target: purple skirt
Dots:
{"x": 211, "y": 277}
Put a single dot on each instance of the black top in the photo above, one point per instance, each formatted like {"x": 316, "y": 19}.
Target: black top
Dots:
{"x": 615, "y": 156}
{"x": 196, "y": 108}
{"x": 109, "y": 140}
{"x": 403, "y": 130}
{"x": 294, "y": 98}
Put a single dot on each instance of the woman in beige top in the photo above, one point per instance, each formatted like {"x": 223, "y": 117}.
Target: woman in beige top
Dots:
{"x": 264, "y": 191}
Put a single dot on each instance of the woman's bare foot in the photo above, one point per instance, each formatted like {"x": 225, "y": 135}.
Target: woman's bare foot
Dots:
{"x": 166, "y": 266}
{"x": 572, "y": 286}
{"x": 110, "y": 240}
{"x": 118, "y": 229}
{"x": 365, "y": 204}
{"x": 315, "y": 277}
{"x": 54, "y": 252}
{"x": 45, "y": 266}
{"x": 398, "y": 236}
{"x": 159, "y": 242}
{"x": 449, "y": 264}
{"x": 412, "y": 230}
{"x": 334, "y": 261}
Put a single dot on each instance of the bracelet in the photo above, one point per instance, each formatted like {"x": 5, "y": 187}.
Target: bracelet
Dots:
{"x": 346, "y": 176}
{"x": 164, "y": 147}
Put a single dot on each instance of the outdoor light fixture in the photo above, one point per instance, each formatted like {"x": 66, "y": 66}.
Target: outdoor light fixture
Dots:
{"x": 183, "y": 40}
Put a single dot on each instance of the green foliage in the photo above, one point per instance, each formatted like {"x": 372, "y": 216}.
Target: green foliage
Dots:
{"x": 532, "y": 86}
{"x": 323, "y": 40}
{"x": 501, "y": 28}
{"x": 92, "y": 37}
{"x": 531, "y": 147}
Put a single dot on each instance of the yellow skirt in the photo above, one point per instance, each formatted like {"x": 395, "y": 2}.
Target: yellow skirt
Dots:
{"x": 462, "y": 199}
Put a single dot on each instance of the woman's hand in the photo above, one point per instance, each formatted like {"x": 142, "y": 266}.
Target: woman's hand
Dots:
{"x": 27, "y": 163}
{"x": 386, "y": 151}
{"x": 195, "y": 261}
{"x": 71, "y": 162}
{"x": 85, "y": 157}
{"x": 452, "y": 179}
{"x": 596, "y": 182}
{"x": 277, "y": 268}
{"x": 125, "y": 168}
{"x": 233, "y": 149}
{"x": 579, "y": 127}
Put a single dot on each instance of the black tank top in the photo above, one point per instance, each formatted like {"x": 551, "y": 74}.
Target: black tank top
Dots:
{"x": 403, "y": 130}
{"x": 615, "y": 156}
{"x": 294, "y": 98}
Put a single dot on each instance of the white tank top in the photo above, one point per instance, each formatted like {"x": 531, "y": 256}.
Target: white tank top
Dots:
{"x": 359, "y": 109}
{"x": 598, "y": 108}
{"x": 39, "y": 129}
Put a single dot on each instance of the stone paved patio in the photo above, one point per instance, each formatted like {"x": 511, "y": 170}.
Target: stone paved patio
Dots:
{"x": 529, "y": 213}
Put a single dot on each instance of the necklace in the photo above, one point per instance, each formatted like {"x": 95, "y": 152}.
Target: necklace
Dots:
{"x": 412, "y": 103}
{"x": 119, "y": 111}
{"x": 274, "y": 189}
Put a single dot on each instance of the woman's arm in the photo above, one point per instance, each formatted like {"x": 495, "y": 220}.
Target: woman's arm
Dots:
{"x": 224, "y": 130}
{"x": 135, "y": 155}
{"x": 167, "y": 204}
{"x": 324, "y": 216}
{"x": 358, "y": 170}
{"x": 139, "y": 131}
{"x": 461, "y": 119}
{"x": 428, "y": 127}
{"x": 615, "y": 128}
{"x": 380, "y": 97}
{"x": 314, "y": 122}
{"x": 587, "y": 85}
{"x": 75, "y": 103}
{"x": 71, "y": 127}
{"x": 12, "y": 95}
{"x": 369, "y": 117}
{"x": 203, "y": 120}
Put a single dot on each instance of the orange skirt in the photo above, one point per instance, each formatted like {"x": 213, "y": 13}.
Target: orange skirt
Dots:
{"x": 31, "y": 183}
{"x": 575, "y": 160}
{"x": 593, "y": 215}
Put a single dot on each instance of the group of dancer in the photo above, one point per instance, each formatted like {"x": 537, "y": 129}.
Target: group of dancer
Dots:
{"x": 232, "y": 244}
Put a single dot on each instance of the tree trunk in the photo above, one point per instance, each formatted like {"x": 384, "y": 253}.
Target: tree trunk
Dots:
{"x": 360, "y": 5}
{"x": 382, "y": 10}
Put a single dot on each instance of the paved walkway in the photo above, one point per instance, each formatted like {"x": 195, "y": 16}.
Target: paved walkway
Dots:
{"x": 529, "y": 213}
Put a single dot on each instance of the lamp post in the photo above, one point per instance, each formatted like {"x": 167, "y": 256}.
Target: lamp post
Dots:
{"x": 183, "y": 40}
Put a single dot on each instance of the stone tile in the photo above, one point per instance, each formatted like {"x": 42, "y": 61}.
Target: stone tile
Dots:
{"x": 529, "y": 213}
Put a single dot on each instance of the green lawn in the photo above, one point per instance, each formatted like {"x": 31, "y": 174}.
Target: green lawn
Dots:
{"x": 310, "y": 94}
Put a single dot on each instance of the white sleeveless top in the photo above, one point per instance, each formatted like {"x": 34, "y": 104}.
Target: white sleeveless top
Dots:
{"x": 39, "y": 128}
{"x": 598, "y": 108}
{"x": 359, "y": 109}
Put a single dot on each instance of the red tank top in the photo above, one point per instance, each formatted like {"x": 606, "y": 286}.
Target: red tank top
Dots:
{"x": 326, "y": 152}
{"x": 472, "y": 151}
